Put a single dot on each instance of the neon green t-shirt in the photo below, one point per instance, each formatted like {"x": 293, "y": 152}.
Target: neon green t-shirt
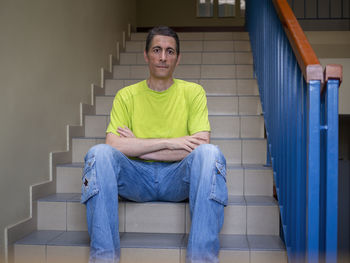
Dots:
{"x": 178, "y": 111}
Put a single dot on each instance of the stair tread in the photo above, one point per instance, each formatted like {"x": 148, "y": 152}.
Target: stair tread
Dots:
{"x": 232, "y": 200}
{"x": 188, "y": 64}
{"x": 210, "y": 115}
{"x": 152, "y": 240}
{"x": 208, "y": 95}
{"x": 197, "y": 40}
{"x": 194, "y": 51}
{"x": 228, "y": 166}
{"x": 212, "y": 138}
{"x": 187, "y": 79}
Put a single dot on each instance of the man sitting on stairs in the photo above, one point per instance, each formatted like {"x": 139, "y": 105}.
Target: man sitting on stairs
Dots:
{"x": 157, "y": 149}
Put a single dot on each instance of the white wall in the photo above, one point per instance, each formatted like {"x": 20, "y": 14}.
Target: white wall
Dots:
{"x": 50, "y": 53}
{"x": 333, "y": 47}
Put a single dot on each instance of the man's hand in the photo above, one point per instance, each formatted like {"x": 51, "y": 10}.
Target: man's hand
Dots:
{"x": 188, "y": 143}
{"x": 125, "y": 132}
{"x": 171, "y": 149}
{"x": 180, "y": 153}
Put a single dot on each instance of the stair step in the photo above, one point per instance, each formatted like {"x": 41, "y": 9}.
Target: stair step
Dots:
{"x": 201, "y": 36}
{"x": 194, "y": 58}
{"x": 211, "y": 86}
{"x": 241, "y": 180}
{"x": 234, "y": 126}
{"x": 217, "y": 104}
{"x": 243, "y": 215}
{"x": 187, "y": 71}
{"x": 198, "y": 45}
{"x": 236, "y": 151}
{"x": 73, "y": 246}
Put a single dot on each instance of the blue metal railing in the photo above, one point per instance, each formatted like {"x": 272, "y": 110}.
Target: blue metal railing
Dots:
{"x": 301, "y": 121}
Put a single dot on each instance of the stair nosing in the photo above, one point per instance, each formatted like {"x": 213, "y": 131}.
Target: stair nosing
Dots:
{"x": 211, "y": 95}
{"x": 233, "y": 200}
{"x": 230, "y": 166}
{"x": 142, "y": 240}
{"x": 212, "y": 138}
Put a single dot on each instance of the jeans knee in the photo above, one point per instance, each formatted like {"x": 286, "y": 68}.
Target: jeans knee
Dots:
{"x": 99, "y": 151}
{"x": 209, "y": 152}
{"x": 98, "y": 172}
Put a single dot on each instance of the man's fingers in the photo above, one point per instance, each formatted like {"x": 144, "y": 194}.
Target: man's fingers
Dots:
{"x": 126, "y": 128}
{"x": 188, "y": 148}
{"x": 193, "y": 144}
{"x": 121, "y": 130}
{"x": 194, "y": 141}
{"x": 123, "y": 133}
{"x": 198, "y": 137}
{"x": 126, "y": 132}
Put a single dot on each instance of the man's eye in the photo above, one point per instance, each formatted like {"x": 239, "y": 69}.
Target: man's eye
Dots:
{"x": 171, "y": 52}
{"x": 156, "y": 50}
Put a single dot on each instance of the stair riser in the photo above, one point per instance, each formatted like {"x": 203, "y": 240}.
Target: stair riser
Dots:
{"x": 198, "y": 45}
{"x": 201, "y": 36}
{"x": 216, "y": 86}
{"x": 239, "y": 181}
{"x": 236, "y": 105}
{"x": 194, "y": 58}
{"x": 160, "y": 218}
{"x": 221, "y": 126}
{"x": 80, "y": 254}
{"x": 187, "y": 71}
{"x": 240, "y": 151}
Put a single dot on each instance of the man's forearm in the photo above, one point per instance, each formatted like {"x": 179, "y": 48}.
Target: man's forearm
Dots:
{"x": 165, "y": 155}
{"x": 131, "y": 146}
{"x": 135, "y": 147}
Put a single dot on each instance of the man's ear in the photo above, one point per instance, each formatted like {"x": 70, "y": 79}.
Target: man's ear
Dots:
{"x": 145, "y": 56}
{"x": 178, "y": 59}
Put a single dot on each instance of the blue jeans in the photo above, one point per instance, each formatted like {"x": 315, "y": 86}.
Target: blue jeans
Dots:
{"x": 201, "y": 177}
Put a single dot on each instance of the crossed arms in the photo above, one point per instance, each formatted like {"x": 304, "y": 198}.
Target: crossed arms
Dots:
{"x": 164, "y": 149}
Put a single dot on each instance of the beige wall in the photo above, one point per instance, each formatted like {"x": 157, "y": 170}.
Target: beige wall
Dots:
{"x": 177, "y": 13}
{"x": 50, "y": 53}
{"x": 332, "y": 47}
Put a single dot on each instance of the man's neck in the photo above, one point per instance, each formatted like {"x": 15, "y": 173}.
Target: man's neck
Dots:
{"x": 159, "y": 84}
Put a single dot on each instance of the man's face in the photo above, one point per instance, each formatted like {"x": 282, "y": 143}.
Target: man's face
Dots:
{"x": 162, "y": 57}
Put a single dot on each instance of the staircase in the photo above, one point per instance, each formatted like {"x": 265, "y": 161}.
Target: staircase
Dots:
{"x": 157, "y": 231}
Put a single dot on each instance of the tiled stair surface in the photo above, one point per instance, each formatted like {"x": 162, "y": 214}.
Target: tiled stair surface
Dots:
{"x": 243, "y": 215}
{"x": 246, "y": 180}
{"x": 158, "y": 231}
{"x": 61, "y": 246}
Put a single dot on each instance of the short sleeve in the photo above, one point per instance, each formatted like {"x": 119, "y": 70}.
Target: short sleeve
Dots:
{"x": 198, "y": 114}
{"x": 119, "y": 116}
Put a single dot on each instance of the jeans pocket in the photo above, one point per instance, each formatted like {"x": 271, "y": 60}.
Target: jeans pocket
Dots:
{"x": 89, "y": 187}
{"x": 218, "y": 187}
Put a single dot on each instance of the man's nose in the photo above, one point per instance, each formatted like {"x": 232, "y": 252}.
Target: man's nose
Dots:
{"x": 163, "y": 55}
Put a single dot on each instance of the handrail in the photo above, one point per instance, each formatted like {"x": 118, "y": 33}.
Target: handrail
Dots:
{"x": 300, "y": 107}
{"x": 306, "y": 57}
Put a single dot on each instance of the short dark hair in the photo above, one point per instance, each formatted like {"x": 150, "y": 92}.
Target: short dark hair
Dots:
{"x": 163, "y": 31}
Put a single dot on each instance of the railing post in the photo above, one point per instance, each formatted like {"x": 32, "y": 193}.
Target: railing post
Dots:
{"x": 313, "y": 170}
{"x": 331, "y": 101}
